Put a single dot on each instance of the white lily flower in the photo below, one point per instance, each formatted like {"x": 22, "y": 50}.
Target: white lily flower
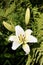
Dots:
{"x": 22, "y": 38}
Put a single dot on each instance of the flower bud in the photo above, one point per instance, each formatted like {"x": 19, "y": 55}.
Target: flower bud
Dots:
{"x": 27, "y": 16}
{"x": 8, "y": 26}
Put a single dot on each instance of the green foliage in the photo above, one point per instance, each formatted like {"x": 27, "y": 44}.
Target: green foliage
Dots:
{"x": 37, "y": 49}
{"x": 14, "y": 11}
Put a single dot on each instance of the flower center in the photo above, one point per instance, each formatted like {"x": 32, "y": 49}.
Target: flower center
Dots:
{"x": 21, "y": 38}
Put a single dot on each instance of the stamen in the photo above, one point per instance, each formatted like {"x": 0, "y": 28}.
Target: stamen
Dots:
{"x": 21, "y": 38}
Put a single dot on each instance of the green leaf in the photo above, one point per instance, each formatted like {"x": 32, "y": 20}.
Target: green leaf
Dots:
{"x": 10, "y": 9}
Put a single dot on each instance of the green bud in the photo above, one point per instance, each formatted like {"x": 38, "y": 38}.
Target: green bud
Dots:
{"x": 8, "y": 26}
{"x": 27, "y": 16}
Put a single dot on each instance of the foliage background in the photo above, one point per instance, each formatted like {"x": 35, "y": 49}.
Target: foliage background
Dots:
{"x": 14, "y": 11}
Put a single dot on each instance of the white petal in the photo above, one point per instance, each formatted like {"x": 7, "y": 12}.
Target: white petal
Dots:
{"x": 26, "y": 48}
{"x": 31, "y": 39}
{"x": 28, "y": 32}
{"x": 13, "y": 38}
{"x": 15, "y": 45}
{"x": 19, "y": 30}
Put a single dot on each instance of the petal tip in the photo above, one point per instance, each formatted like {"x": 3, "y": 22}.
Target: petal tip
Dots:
{"x": 13, "y": 48}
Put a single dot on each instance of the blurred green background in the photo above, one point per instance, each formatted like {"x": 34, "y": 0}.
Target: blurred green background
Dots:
{"x": 14, "y": 11}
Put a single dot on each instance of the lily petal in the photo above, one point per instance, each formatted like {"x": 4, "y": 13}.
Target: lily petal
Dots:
{"x": 26, "y": 48}
{"x": 19, "y": 30}
{"x": 28, "y": 32}
{"x": 13, "y": 38}
{"x": 15, "y": 45}
{"x": 31, "y": 39}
